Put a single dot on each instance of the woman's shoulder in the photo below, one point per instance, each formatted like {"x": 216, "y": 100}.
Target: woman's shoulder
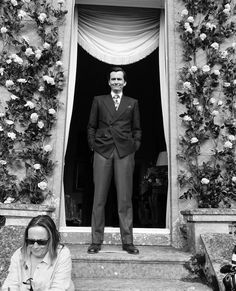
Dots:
{"x": 63, "y": 250}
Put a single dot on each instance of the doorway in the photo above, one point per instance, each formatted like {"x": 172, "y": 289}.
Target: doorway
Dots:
{"x": 142, "y": 84}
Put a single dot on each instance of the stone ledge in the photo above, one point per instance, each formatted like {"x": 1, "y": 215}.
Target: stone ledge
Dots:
{"x": 218, "y": 249}
{"x": 21, "y": 214}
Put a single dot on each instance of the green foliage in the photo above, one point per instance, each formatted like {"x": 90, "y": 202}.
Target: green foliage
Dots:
{"x": 33, "y": 75}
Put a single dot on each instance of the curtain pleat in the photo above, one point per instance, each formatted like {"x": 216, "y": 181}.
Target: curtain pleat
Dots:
{"x": 118, "y": 35}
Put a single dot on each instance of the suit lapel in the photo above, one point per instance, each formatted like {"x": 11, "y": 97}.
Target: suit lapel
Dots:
{"x": 109, "y": 103}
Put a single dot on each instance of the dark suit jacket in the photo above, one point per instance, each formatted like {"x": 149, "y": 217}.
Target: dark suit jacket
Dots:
{"x": 108, "y": 128}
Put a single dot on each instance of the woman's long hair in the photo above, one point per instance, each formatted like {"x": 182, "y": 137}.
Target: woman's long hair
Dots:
{"x": 53, "y": 234}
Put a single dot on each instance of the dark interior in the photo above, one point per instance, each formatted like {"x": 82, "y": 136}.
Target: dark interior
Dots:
{"x": 142, "y": 84}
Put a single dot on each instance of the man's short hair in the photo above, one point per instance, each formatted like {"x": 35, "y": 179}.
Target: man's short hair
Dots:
{"x": 116, "y": 69}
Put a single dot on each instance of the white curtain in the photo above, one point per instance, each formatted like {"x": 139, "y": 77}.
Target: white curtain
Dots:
{"x": 118, "y": 35}
{"x": 70, "y": 99}
{"x": 164, "y": 93}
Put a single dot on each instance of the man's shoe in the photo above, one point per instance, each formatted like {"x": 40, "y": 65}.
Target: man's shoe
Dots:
{"x": 131, "y": 249}
{"x": 94, "y": 248}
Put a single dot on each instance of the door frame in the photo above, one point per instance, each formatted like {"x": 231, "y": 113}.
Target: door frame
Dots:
{"x": 173, "y": 132}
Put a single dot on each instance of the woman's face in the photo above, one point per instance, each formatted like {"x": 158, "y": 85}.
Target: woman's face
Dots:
{"x": 37, "y": 241}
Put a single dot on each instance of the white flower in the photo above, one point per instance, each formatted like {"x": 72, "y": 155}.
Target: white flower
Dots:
{"x": 184, "y": 12}
{"x": 29, "y": 52}
{"x": 194, "y": 140}
{"x": 14, "y": 97}
{"x": 47, "y": 148}
{"x": 206, "y": 68}
{"x": 215, "y": 45}
{"x": 21, "y": 80}
{"x": 1, "y": 128}
{"x": 210, "y": 25}
{"x": 42, "y": 17}
{"x": 59, "y": 63}
{"x": 234, "y": 82}
{"x": 14, "y": 2}
{"x": 228, "y": 145}
{"x": 22, "y": 14}
{"x": 38, "y": 54}
{"x": 3, "y": 29}
{"x": 212, "y": 100}
{"x": 42, "y": 185}
{"x": 18, "y": 60}
{"x": 37, "y": 166}
{"x": 189, "y": 29}
{"x": 224, "y": 54}
{"x": 51, "y": 111}
{"x": 234, "y": 179}
{"x": 215, "y": 112}
{"x": 49, "y": 80}
{"x": 59, "y": 44}
{"x": 190, "y": 19}
{"x": 1, "y": 71}
{"x": 195, "y": 101}
{"x": 216, "y": 72}
{"x": 226, "y": 84}
{"x": 41, "y": 88}
{"x": 34, "y": 117}
{"x": 226, "y": 11}
{"x": 8, "y": 61}
{"x": 40, "y": 124}
{"x": 231, "y": 137}
{"x": 2, "y": 114}
{"x": 199, "y": 108}
{"x": 3, "y": 162}
{"x": 187, "y": 118}
{"x": 202, "y": 36}
{"x": 205, "y": 181}
{"x": 9, "y": 83}
{"x": 220, "y": 103}
{"x": 187, "y": 85}
{"x": 11, "y": 135}
{"x": 9, "y": 122}
{"x": 46, "y": 46}
{"x": 227, "y": 6}
{"x": 186, "y": 25}
{"x": 9, "y": 200}
{"x": 29, "y": 104}
{"x": 193, "y": 69}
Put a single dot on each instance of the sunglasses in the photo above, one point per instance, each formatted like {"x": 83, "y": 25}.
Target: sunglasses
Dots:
{"x": 40, "y": 242}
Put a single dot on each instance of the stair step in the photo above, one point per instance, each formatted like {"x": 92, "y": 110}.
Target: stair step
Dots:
{"x": 82, "y": 235}
{"x": 99, "y": 284}
{"x": 154, "y": 262}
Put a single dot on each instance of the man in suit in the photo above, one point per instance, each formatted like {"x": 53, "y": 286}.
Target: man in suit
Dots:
{"x": 114, "y": 135}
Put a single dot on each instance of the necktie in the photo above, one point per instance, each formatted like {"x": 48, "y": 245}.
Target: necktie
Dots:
{"x": 116, "y": 99}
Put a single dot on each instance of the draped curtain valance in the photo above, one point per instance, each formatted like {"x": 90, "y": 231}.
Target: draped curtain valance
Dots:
{"x": 118, "y": 35}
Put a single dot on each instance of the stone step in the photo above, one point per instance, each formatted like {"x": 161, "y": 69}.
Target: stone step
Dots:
{"x": 155, "y": 262}
{"x": 82, "y": 284}
{"x": 150, "y": 236}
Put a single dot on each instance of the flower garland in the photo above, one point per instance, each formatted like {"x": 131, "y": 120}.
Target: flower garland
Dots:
{"x": 33, "y": 76}
{"x": 208, "y": 92}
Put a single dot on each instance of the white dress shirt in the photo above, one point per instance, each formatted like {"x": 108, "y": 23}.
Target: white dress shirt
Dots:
{"x": 48, "y": 276}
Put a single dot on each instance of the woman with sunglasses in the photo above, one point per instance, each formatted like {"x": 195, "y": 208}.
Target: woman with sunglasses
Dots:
{"x": 42, "y": 263}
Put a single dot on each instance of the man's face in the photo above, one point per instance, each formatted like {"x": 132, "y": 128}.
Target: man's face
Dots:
{"x": 117, "y": 81}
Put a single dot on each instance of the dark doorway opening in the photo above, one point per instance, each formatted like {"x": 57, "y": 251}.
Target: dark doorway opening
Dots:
{"x": 142, "y": 84}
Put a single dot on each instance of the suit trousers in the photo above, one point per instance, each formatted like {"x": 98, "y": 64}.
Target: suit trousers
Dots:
{"x": 103, "y": 169}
